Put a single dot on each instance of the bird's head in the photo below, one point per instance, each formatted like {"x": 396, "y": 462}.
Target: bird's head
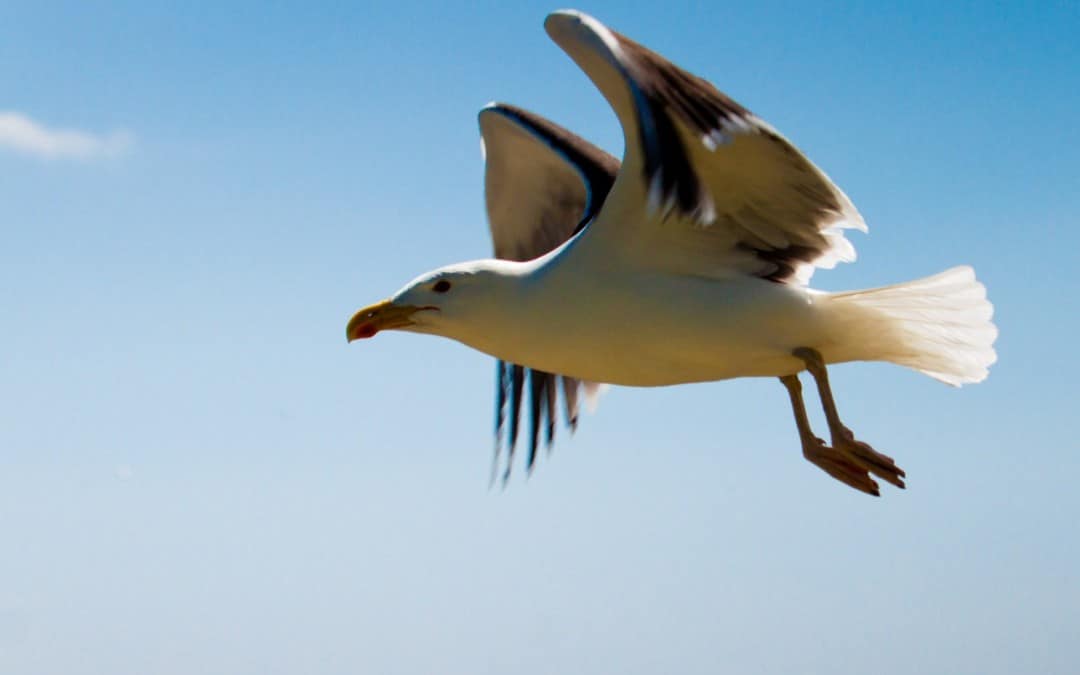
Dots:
{"x": 441, "y": 302}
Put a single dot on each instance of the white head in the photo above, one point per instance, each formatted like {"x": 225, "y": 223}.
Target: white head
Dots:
{"x": 452, "y": 301}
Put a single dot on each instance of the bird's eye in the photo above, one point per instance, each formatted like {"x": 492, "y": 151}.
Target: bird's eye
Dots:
{"x": 441, "y": 286}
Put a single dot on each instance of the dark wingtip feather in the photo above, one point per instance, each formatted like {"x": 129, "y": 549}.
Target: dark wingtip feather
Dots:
{"x": 537, "y": 400}
{"x": 517, "y": 383}
{"x": 570, "y": 395}
{"x": 543, "y": 396}
{"x": 500, "y": 416}
{"x": 552, "y": 403}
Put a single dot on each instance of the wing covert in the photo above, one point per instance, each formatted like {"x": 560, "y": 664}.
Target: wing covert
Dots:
{"x": 750, "y": 202}
{"x": 541, "y": 182}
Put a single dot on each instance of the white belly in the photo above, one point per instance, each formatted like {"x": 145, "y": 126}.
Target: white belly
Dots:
{"x": 658, "y": 330}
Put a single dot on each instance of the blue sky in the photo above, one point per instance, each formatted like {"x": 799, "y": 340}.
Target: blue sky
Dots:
{"x": 197, "y": 474}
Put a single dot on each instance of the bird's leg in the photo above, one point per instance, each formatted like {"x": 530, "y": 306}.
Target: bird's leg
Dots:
{"x": 843, "y": 440}
{"x": 831, "y": 461}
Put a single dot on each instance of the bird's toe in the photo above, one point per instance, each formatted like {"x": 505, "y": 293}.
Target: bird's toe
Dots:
{"x": 873, "y": 461}
{"x": 838, "y": 465}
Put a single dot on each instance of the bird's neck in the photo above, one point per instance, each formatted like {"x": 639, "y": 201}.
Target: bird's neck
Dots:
{"x": 502, "y": 319}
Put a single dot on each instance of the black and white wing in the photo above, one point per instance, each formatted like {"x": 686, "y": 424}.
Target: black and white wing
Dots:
{"x": 746, "y": 200}
{"x": 542, "y": 185}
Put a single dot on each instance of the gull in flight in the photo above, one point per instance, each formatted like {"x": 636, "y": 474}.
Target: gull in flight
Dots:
{"x": 686, "y": 262}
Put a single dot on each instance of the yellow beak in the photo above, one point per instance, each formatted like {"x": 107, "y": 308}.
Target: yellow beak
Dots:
{"x": 383, "y": 315}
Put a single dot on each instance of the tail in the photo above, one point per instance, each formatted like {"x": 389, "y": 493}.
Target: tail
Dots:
{"x": 939, "y": 326}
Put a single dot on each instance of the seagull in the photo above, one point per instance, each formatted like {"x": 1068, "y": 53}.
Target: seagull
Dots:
{"x": 688, "y": 261}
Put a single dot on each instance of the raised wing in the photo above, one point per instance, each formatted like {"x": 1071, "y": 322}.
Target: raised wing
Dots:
{"x": 750, "y": 202}
{"x": 542, "y": 185}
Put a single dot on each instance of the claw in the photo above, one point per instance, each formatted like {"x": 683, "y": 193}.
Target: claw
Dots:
{"x": 865, "y": 456}
{"x": 840, "y": 466}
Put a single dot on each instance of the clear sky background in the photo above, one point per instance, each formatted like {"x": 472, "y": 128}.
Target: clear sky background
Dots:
{"x": 198, "y": 475}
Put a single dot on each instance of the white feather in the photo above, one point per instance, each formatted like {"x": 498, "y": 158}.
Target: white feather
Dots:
{"x": 939, "y": 325}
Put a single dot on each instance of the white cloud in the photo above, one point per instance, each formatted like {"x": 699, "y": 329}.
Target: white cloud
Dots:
{"x": 22, "y": 134}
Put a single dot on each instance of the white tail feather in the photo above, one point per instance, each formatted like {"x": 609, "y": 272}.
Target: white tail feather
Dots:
{"x": 939, "y": 326}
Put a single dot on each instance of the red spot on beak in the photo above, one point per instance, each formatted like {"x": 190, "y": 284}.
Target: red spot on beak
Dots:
{"x": 365, "y": 331}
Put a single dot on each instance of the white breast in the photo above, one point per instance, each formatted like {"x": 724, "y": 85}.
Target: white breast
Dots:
{"x": 603, "y": 323}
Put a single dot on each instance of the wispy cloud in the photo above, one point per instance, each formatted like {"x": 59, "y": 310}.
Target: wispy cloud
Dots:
{"x": 22, "y": 134}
